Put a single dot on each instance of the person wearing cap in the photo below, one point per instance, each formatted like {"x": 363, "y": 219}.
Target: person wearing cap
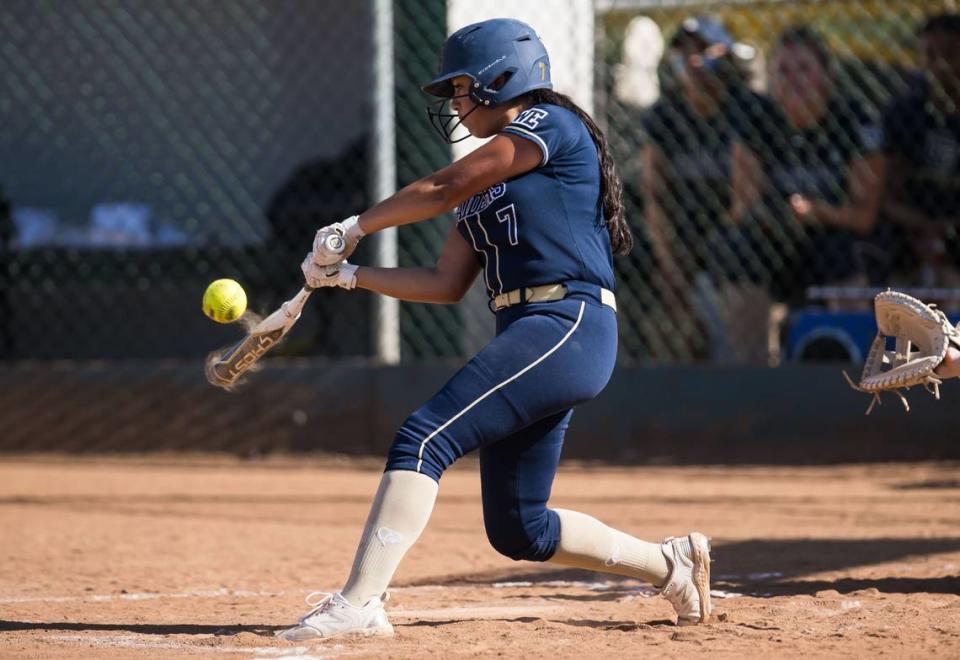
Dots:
{"x": 686, "y": 179}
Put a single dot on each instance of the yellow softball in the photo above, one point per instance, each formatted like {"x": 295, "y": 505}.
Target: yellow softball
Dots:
{"x": 224, "y": 301}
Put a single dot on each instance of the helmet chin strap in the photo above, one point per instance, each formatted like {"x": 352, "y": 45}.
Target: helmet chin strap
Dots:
{"x": 441, "y": 121}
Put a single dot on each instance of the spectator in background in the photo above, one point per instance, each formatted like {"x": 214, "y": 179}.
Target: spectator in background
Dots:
{"x": 807, "y": 176}
{"x": 686, "y": 154}
{"x": 686, "y": 163}
{"x": 922, "y": 147}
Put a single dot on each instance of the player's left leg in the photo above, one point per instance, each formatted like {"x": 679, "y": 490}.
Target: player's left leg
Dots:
{"x": 398, "y": 515}
{"x": 517, "y": 474}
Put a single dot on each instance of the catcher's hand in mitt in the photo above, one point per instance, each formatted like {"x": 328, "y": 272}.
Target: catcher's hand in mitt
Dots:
{"x": 925, "y": 353}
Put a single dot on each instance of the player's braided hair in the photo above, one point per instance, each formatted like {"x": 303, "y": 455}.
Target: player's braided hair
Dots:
{"x": 611, "y": 187}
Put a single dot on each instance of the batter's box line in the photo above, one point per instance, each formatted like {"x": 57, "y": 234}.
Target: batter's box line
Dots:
{"x": 224, "y": 592}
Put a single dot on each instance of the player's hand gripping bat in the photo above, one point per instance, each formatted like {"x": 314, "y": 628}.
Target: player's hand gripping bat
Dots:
{"x": 224, "y": 368}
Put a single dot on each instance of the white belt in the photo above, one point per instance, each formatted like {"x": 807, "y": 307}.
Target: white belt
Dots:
{"x": 544, "y": 293}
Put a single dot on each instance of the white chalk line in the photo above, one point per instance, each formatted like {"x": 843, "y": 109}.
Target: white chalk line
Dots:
{"x": 563, "y": 584}
{"x": 223, "y": 592}
{"x": 474, "y": 613}
{"x": 638, "y": 592}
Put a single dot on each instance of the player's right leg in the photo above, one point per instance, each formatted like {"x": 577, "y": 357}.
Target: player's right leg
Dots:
{"x": 679, "y": 567}
{"x": 688, "y": 585}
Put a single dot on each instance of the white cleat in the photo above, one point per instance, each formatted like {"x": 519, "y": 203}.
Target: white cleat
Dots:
{"x": 688, "y": 587}
{"x": 335, "y": 616}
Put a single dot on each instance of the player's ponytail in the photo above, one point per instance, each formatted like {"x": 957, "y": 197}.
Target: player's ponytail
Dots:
{"x": 611, "y": 187}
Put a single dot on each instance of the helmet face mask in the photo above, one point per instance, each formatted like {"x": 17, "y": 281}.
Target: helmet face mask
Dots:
{"x": 503, "y": 58}
{"x": 446, "y": 122}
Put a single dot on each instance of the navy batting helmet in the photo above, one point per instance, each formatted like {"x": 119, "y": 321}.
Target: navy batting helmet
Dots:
{"x": 503, "y": 51}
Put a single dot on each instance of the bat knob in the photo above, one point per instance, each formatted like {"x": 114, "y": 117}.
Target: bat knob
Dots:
{"x": 334, "y": 243}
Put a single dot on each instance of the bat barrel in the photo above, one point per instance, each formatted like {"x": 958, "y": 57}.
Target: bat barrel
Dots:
{"x": 217, "y": 375}
{"x": 224, "y": 368}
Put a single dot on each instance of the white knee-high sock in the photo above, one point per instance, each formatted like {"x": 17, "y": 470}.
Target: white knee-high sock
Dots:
{"x": 585, "y": 542}
{"x": 399, "y": 514}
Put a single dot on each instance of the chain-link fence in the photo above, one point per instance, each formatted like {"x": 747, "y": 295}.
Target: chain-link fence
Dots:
{"x": 151, "y": 147}
{"x": 766, "y": 147}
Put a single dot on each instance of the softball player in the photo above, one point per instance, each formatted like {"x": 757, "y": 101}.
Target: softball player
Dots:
{"x": 539, "y": 213}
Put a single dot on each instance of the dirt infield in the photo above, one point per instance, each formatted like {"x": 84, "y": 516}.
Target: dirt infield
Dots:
{"x": 170, "y": 557}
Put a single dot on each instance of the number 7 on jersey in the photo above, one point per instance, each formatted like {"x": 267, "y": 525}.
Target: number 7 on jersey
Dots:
{"x": 508, "y": 214}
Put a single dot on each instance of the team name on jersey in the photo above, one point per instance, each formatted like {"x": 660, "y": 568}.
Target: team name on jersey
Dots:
{"x": 481, "y": 201}
{"x": 531, "y": 118}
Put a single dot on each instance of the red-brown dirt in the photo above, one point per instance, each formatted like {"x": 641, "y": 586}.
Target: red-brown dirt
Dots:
{"x": 202, "y": 556}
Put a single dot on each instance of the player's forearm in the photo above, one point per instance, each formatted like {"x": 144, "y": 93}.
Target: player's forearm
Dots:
{"x": 905, "y": 215}
{"x": 657, "y": 223}
{"x": 421, "y": 200}
{"x": 661, "y": 246}
{"x": 413, "y": 284}
{"x": 859, "y": 220}
{"x": 658, "y": 233}
{"x": 859, "y": 213}
{"x": 746, "y": 182}
{"x": 950, "y": 367}
{"x": 418, "y": 201}
{"x": 895, "y": 198}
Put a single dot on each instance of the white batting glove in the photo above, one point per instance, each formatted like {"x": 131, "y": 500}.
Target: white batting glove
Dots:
{"x": 351, "y": 233}
{"x": 316, "y": 276}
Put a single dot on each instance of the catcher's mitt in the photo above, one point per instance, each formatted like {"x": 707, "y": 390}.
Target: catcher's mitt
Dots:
{"x": 923, "y": 335}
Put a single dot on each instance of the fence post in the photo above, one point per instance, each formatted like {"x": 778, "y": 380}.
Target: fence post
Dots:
{"x": 387, "y": 310}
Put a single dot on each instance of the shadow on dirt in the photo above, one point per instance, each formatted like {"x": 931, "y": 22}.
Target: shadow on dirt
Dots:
{"x": 930, "y": 484}
{"x": 760, "y": 567}
{"x": 143, "y": 629}
{"x": 624, "y": 626}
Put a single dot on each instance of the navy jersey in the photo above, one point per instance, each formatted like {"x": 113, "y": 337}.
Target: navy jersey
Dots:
{"x": 546, "y": 225}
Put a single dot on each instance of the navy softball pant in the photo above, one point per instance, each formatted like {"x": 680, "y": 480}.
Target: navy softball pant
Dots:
{"x": 513, "y": 402}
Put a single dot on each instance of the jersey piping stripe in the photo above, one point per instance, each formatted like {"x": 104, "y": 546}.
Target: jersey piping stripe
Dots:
{"x": 486, "y": 259}
{"x": 511, "y": 128}
{"x": 496, "y": 253}
{"x": 493, "y": 389}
